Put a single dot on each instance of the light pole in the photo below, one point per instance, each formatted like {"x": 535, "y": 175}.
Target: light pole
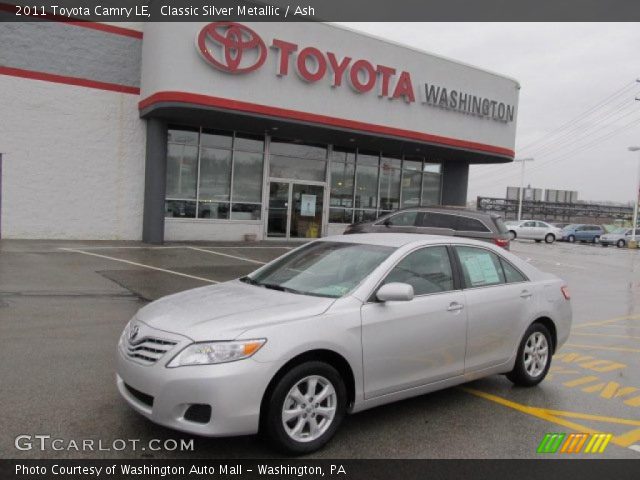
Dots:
{"x": 521, "y": 192}
{"x": 634, "y": 225}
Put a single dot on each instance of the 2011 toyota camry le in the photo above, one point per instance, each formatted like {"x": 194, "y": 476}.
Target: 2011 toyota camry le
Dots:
{"x": 337, "y": 326}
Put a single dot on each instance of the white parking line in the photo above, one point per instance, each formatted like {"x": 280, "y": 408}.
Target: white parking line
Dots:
{"x": 168, "y": 247}
{"x": 136, "y": 264}
{"x": 244, "y": 259}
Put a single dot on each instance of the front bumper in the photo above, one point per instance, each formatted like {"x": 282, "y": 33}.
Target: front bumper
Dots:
{"x": 233, "y": 390}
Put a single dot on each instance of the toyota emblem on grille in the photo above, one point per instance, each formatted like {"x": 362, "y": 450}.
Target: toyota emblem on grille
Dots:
{"x": 134, "y": 333}
{"x": 233, "y": 43}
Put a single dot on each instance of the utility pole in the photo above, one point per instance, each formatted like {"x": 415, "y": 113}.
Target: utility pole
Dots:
{"x": 634, "y": 225}
{"x": 521, "y": 192}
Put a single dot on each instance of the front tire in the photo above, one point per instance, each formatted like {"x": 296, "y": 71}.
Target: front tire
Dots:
{"x": 571, "y": 238}
{"x": 550, "y": 238}
{"x": 596, "y": 239}
{"x": 513, "y": 235}
{"x": 305, "y": 408}
{"x": 621, "y": 243}
{"x": 533, "y": 358}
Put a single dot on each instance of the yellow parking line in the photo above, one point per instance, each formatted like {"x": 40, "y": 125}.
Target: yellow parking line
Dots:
{"x": 610, "y": 320}
{"x": 598, "y": 347}
{"x": 547, "y": 415}
{"x": 596, "y": 418}
{"x": 604, "y": 335}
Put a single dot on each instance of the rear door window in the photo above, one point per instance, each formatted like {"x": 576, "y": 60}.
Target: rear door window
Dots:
{"x": 466, "y": 224}
{"x": 439, "y": 220}
{"x": 511, "y": 274}
{"x": 480, "y": 267}
{"x": 404, "y": 219}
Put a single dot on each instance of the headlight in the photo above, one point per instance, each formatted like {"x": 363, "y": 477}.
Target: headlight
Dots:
{"x": 208, "y": 353}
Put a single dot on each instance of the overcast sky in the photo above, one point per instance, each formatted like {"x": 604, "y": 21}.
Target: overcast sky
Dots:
{"x": 564, "y": 69}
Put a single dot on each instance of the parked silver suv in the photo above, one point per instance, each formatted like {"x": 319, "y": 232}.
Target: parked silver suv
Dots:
{"x": 451, "y": 221}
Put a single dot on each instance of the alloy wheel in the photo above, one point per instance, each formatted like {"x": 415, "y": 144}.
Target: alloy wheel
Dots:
{"x": 536, "y": 354}
{"x": 309, "y": 408}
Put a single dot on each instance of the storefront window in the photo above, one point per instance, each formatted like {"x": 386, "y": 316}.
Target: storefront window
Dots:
{"x": 297, "y": 149}
{"x": 215, "y": 174}
{"x": 216, "y": 138}
{"x": 182, "y": 171}
{"x": 226, "y": 168}
{"x": 297, "y": 168}
{"x": 390, "y": 183}
{"x": 431, "y": 184}
{"x": 247, "y": 177}
{"x": 180, "y": 209}
{"x": 366, "y": 188}
{"x": 411, "y": 182}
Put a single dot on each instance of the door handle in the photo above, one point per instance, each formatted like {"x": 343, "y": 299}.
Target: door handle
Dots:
{"x": 454, "y": 307}
{"x": 525, "y": 294}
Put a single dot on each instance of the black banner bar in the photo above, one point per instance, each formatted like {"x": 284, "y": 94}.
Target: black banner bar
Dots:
{"x": 325, "y": 10}
{"x": 328, "y": 469}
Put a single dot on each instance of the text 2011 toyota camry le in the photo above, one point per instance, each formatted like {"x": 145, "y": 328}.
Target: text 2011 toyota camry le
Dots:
{"x": 339, "y": 325}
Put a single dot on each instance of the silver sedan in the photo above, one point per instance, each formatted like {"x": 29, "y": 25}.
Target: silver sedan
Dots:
{"x": 337, "y": 326}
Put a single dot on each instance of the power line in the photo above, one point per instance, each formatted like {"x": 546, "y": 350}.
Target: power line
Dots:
{"x": 569, "y": 154}
{"x": 562, "y": 131}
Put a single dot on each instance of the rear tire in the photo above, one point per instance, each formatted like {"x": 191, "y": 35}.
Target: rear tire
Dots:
{"x": 549, "y": 238}
{"x": 534, "y": 357}
{"x": 312, "y": 418}
{"x": 621, "y": 243}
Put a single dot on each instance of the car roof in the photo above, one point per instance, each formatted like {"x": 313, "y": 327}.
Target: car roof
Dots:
{"x": 450, "y": 209}
{"x": 398, "y": 240}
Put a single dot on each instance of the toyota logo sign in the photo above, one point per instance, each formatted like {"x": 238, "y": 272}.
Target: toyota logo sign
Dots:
{"x": 231, "y": 47}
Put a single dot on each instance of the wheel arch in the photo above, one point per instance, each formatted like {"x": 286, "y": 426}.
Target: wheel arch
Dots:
{"x": 551, "y": 326}
{"x": 330, "y": 357}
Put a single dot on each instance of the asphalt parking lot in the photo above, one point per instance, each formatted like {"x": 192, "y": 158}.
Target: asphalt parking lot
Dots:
{"x": 64, "y": 304}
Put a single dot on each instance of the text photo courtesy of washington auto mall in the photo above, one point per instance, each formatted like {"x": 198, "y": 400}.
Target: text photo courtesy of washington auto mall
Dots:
{"x": 360, "y": 240}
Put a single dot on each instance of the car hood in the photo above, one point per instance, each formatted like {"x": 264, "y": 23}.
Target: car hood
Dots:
{"x": 224, "y": 311}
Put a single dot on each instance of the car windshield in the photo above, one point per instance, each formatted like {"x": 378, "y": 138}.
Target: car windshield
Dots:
{"x": 620, "y": 230}
{"x": 323, "y": 269}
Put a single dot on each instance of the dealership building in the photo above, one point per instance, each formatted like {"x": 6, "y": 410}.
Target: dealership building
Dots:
{"x": 227, "y": 131}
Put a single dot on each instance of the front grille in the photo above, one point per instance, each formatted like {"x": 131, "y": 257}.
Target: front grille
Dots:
{"x": 142, "y": 397}
{"x": 148, "y": 350}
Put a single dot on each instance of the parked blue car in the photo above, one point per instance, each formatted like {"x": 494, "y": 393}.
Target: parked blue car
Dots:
{"x": 581, "y": 232}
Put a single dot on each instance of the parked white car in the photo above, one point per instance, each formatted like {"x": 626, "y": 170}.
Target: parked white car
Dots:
{"x": 338, "y": 326}
{"x": 619, "y": 237}
{"x": 534, "y": 230}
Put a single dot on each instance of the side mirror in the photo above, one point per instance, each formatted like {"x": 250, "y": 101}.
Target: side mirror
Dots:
{"x": 395, "y": 292}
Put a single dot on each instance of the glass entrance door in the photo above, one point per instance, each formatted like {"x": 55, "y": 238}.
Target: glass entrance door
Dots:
{"x": 295, "y": 210}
